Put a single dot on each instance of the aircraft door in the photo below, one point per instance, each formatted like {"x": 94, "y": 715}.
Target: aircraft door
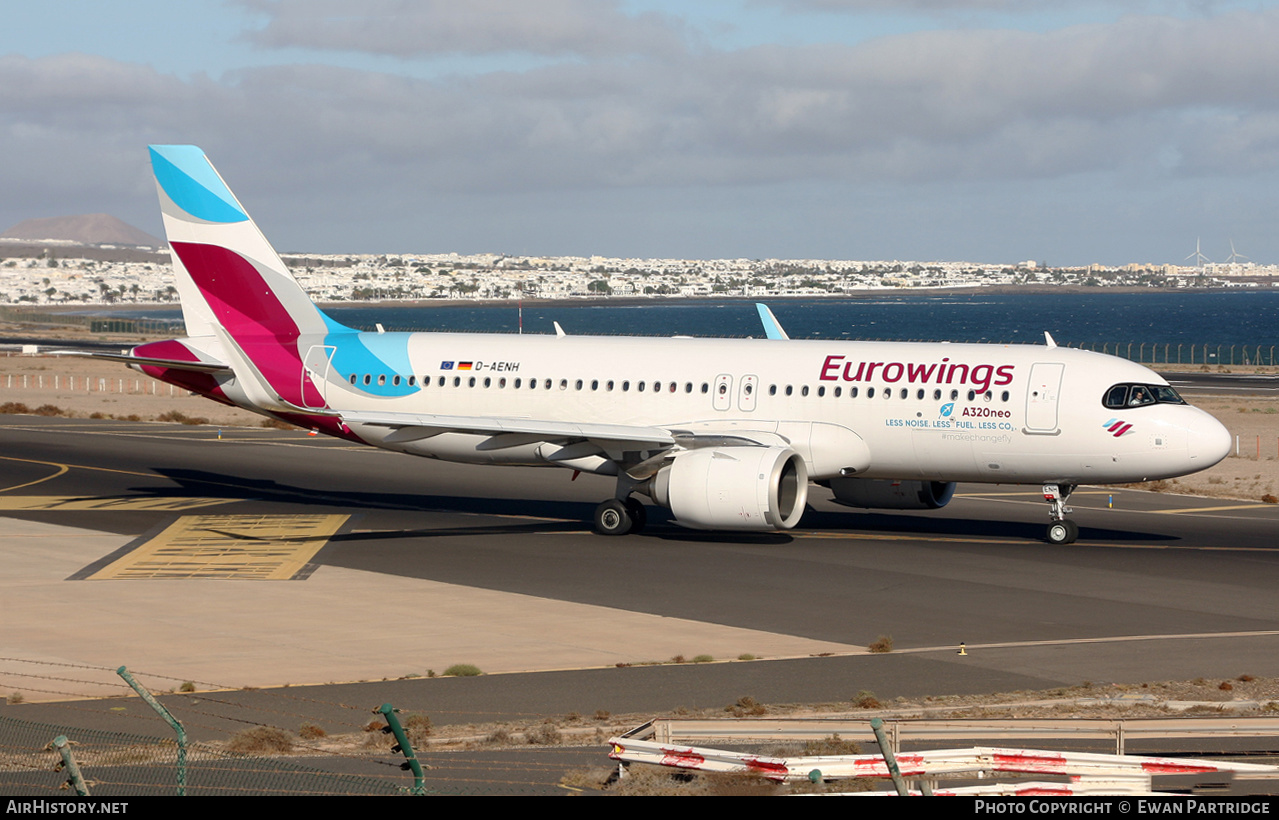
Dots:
{"x": 315, "y": 374}
{"x": 746, "y": 393}
{"x": 1041, "y": 398}
{"x": 723, "y": 392}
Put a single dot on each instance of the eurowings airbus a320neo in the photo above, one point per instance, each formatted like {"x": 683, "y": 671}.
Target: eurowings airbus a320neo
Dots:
{"x": 725, "y": 433}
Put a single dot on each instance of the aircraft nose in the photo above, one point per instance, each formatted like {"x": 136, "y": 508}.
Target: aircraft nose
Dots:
{"x": 1209, "y": 442}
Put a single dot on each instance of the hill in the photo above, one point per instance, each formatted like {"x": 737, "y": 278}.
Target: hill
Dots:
{"x": 87, "y": 229}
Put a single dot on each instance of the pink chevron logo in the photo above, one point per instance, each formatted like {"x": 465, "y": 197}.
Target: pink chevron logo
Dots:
{"x": 1117, "y": 427}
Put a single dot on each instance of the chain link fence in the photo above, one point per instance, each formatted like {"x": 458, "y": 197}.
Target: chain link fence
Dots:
{"x": 115, "y": 764}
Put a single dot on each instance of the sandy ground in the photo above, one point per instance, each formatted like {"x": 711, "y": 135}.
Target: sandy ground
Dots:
{"x": 83, "y": 387}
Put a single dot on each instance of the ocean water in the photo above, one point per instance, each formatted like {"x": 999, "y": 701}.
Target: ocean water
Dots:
{"x": 1096, "y": 320}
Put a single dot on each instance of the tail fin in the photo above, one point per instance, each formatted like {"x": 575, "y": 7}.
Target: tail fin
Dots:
{"x": 228, "y": 274}
{"x": 233, "y": 285}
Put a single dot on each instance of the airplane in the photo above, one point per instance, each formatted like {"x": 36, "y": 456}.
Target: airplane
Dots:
{"x": 726, "y": 434}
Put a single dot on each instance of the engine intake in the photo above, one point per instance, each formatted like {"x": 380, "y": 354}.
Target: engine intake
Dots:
{"x": 734, "y": 488}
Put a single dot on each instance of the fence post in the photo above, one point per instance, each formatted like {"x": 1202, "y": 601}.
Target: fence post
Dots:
{"x": 63, "y": 747}
{"x": 403, "y": 746}
{"x": 168, "y": 718}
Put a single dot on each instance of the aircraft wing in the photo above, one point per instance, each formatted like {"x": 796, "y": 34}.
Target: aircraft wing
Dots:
{"x": 650, "y": 437}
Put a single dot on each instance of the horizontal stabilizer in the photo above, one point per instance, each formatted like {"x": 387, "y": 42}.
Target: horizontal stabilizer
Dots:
{"x": 127, "y": 358}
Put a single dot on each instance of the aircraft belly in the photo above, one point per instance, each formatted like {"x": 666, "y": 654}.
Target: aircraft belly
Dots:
{"x": 941, "y": 455}
{"x": 469, "y": 448}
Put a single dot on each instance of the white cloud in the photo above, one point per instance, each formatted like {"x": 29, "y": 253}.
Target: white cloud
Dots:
{"x": 410, "y": 28}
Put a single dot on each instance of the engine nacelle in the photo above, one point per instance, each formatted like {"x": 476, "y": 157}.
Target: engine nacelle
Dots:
{"x": 734, "y": 488}
{"x": 884, "y": 494}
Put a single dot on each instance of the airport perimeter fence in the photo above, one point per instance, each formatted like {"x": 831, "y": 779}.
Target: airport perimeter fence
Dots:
{"x": 94, "y": 324}
{"x": 115, "y": 764}
{"x": 1152, "y": 354}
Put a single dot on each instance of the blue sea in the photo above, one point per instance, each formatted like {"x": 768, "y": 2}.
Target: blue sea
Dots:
{"x": 1153, "y": 323}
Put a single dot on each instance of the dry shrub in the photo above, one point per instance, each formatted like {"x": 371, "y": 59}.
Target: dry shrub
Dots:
{"x": 833, "y": 745}
{"x": 884, "y": 643}
{"x": 260, "y": 740}
{"x": 746, "y": 706}
{"x": 866, "y": 700}
{"x": 181, "y": 418}
{"x": 418, "y": 727}
{"x": 462, "y": 670}
{"x": 544, "y": 734}
{"x": 1269, "y": 499}
{"x": 14, "y": 408}
{"x": 50, "y": 410}
{"x": 310, "y": 731}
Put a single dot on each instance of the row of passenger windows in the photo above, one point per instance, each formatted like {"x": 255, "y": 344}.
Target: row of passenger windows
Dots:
{"x": 670, "y": 387}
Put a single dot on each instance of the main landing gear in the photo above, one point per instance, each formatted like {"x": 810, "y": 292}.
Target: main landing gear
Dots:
{"x": 1062, "y": 530}
{"x": 618, "y": 517}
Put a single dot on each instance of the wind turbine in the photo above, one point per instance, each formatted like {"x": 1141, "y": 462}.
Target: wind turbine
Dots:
{"x": 1234, "y": 256}
{"x": 1199, "y": 258}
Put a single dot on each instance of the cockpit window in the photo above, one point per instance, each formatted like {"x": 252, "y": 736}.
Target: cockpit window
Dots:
{"x": 1140, "y": 395}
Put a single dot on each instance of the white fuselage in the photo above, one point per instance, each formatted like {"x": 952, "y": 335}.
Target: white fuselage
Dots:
{"x": 940, "y": 412}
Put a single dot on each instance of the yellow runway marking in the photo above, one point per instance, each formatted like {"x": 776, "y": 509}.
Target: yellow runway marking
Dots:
{"x": 228, "y": 547}
{"x": 1031, "y": 494}
{"x": 62, "y": 468}
{"x": 10, "y": 503}
{"x": 1214, "y": 509}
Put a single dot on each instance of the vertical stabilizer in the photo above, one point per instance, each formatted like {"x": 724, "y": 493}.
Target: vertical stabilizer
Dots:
{"x": 232, "y": 283}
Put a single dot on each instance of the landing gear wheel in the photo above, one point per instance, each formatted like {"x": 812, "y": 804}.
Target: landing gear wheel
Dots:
{"x": 639, "y": 515}
{"x": 612, "y": 518}
{"x": 1063, "y": 532}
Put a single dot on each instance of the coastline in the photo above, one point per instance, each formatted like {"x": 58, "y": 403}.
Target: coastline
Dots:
{"x": 84, "y": 308}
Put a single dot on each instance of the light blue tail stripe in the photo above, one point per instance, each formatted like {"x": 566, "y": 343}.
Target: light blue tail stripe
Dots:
{"x": 193, "y": 185}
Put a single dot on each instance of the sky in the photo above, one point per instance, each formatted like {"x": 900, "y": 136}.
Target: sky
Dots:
{"x": 995, "y": 131}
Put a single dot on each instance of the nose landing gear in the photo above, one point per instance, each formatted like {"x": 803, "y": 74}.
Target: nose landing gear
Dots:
{"x": 1062, "y": 530}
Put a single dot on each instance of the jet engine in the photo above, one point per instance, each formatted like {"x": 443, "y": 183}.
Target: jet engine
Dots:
{"x": 885, "y": 494}
{"x": 734, "y": 488}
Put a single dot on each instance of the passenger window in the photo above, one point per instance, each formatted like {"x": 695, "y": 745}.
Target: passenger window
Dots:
{"x": 803, "y": 391}
{"x": 352, "y": 378}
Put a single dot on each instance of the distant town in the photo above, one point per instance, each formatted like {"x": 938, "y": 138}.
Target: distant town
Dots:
{"x": 63, "y": 272}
